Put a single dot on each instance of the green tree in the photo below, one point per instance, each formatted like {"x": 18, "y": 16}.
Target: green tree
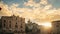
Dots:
{"x": 32, "y": 27}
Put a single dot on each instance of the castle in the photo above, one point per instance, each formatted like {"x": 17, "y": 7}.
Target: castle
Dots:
{"x": 13, "y": 24}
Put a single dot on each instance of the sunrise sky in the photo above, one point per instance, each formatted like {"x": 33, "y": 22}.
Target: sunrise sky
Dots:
{"x": 35, "y": 10}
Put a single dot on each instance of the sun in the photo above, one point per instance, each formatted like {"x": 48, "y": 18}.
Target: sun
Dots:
{"x": 47, "y": 24}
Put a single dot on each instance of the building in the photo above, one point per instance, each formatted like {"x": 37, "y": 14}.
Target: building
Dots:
{"x": 56, "y": 27}
{"x": 0, "y": 26}
{"x": 13, "y": 24}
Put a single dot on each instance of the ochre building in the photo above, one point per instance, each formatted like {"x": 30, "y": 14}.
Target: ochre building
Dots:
{"x": 13, "y": 24}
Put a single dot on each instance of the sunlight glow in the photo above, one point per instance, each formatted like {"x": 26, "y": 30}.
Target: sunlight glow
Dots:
{"x": 47, "y": 24}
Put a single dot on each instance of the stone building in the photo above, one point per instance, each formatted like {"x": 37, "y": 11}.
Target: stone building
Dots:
{"x": 0, "y": 23}
{"x": 0, "y": 26}
{"x": 13, "y": 24}
{"x": 56, "y": 27}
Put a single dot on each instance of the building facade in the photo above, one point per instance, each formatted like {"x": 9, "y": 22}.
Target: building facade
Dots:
{"x": 56, "y": 27}
{"x": 13, "y": 24}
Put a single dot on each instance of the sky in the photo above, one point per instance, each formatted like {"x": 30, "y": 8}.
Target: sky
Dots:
{"x": 35, "y": 10}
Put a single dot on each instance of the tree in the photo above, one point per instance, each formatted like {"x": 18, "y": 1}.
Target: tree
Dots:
{"x": 32, "y": 27}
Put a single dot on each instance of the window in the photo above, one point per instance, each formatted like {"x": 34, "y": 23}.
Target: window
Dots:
{"x": 9, "y": 21}
{"x": 21, "y": 30}
{"x": 4, "y": 24}
{"x": 21, "y": 19}
{"x": 16, "y": 22}
{"x": 57, "y": 25}
{"x": 10, "y": 24}
{"x": 16, "y": 18}
{"x": 16, "y": 26}
{"x": 21, "y": 26}
{"x": 4, "y": 20}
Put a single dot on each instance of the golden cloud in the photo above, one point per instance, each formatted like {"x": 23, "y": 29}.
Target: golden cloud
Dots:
{"x": 37, "y": 13}
{"x": 4, "y": 11}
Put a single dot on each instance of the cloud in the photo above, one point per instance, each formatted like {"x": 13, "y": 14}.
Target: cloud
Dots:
{"x": 4, "y": 11}
{"x": 45, "y": 13}
{"x": 44, "y": 2}
{"x": 38, "y": 13}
